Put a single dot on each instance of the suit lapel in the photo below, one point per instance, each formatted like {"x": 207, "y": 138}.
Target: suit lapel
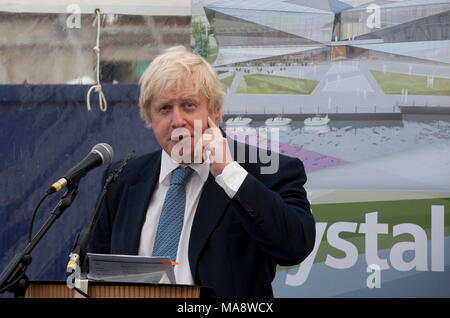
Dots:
{"x": 139, "y": 195}
{"x": 210, "y": 209}
{"x": 212, "y": 204}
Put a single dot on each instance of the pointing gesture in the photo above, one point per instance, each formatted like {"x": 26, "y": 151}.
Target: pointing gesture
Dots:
{"x": 215, "y": 148}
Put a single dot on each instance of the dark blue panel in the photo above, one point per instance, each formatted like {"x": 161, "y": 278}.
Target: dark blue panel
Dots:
{"x": 44, "y": 131}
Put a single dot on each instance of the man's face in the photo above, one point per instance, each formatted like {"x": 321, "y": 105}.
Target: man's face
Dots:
{"x": 172, "y": 118}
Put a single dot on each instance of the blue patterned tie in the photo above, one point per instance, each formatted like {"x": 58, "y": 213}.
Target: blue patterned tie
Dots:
{"x": 172, "y": 215}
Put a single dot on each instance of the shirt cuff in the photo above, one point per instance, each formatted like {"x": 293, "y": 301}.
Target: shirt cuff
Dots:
{"x": 231, "y": 178}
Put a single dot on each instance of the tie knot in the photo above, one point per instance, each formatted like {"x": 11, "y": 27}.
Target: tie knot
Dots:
{"x": 181, "y": 175}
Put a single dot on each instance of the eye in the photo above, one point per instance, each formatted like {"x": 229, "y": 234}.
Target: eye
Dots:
{"x": 164, "y": 108}
{"x": 189, "y": 105}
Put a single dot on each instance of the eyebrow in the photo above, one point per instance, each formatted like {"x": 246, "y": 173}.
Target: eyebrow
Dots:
{"x": 188, "y": 97}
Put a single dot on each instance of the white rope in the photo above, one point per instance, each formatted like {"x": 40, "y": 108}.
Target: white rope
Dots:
{"x": 98, "y": 88}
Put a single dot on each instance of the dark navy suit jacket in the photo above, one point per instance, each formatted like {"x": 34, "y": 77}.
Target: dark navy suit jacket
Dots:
{"x": 235, "y": 244}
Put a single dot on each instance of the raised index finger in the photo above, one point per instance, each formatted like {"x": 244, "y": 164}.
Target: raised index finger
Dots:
{"x": 214, "y": 128}
{"x": 211, "y": 123}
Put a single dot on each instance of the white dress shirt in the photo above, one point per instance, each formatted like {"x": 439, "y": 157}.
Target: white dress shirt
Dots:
{"x": 230, "y": 180}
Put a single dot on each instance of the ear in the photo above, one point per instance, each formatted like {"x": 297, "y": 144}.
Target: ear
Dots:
{"x": 148, "y": 118}
{"x": 216, "y": 116}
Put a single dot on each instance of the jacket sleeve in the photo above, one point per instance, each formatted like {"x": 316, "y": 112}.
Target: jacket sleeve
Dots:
{"x": 276, "y": 213}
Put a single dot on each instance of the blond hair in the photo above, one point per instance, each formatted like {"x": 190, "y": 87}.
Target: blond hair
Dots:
{"x": 177, "y": 64}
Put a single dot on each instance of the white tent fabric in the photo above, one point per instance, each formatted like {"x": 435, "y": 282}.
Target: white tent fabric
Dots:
{"x": 131, "y": 7}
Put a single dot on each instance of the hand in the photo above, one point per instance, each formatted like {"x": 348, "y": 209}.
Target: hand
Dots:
{"x": 215, "y": 146}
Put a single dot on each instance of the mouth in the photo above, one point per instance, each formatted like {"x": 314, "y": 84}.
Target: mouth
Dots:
{"x": 180, "y": 148}
{"x": 179, "y": 137}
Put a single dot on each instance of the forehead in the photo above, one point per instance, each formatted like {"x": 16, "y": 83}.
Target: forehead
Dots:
{"x": 179, "y": 90}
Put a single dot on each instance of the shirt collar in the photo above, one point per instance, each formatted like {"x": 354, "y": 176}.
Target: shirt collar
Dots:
{"x": 168, "y": 165}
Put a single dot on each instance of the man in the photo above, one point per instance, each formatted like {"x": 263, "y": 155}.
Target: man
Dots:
{"x": 236, "y": 223}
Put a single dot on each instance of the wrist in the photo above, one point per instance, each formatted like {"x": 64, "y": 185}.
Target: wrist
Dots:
{"x": 218, "y": 168}
{"x": 231, "y": 178}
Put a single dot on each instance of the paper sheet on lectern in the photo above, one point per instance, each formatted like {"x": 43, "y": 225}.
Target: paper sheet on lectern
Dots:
{"x": 130, "y": 269}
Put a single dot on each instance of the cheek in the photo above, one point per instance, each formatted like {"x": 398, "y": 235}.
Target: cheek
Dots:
{"x": 160, "y": 130}
{"x": 202, "y": 118}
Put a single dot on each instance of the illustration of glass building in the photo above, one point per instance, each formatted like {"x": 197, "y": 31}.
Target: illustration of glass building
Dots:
{"x": 387, "y": 50}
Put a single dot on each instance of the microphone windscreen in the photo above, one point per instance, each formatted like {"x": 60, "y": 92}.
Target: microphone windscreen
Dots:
{"x": 105, "y": 151}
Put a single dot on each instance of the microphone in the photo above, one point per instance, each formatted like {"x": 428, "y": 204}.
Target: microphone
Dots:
{"x": 101, "y": 153}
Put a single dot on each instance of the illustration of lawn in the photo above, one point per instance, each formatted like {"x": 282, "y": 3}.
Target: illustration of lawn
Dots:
{"x": 394, "y": 83}
{"x": 389, "y": 212}
{"x": 226, "y": 81}
{"x": 269, "y": 84}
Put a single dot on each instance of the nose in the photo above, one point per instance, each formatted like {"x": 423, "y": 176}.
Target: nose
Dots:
{"x": 178, "y": 119}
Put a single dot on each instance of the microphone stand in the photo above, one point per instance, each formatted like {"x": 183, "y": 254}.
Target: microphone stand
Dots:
{"x": 13, "y": 278}
{"x": 78, "y": 257}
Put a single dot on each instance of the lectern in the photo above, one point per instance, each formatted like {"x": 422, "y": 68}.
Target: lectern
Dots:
{"x": 59, "y": 289}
